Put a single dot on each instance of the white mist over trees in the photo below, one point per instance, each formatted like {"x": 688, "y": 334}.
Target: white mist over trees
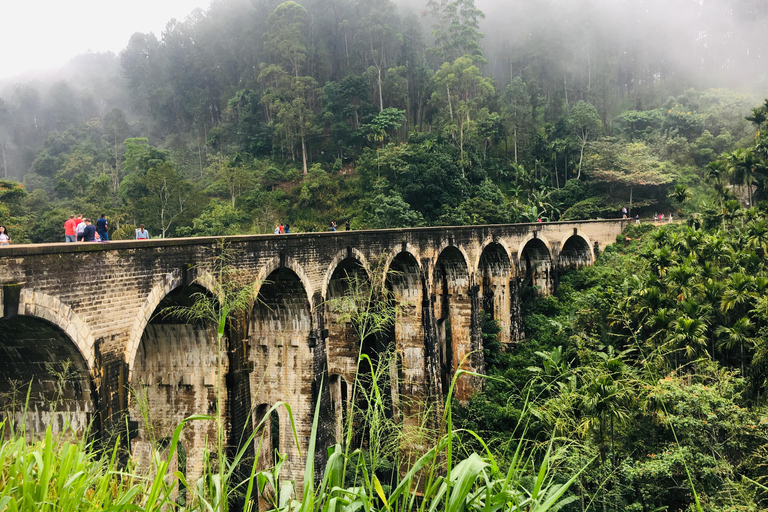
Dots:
{"x": 503, "y": 104}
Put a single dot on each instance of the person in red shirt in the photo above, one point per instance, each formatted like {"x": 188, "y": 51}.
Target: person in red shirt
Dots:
{"x": 69, "y": 229}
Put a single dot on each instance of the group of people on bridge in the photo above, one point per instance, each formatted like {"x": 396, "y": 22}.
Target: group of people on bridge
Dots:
{"x": 80, "y": 229}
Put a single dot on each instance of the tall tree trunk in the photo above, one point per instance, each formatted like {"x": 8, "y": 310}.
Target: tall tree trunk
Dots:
{"x": 346, "y": 47}
{"x": 450, "y": 106}
{"x": 515, "y": 141}
{"x": 461, "y": 147}
{"x": 5, "y": 160}
{"x": 116, "y": 179}
{"x": 304, "y": 153}
{"x": 581, "y": 157}
{"x": 381, "y": 96}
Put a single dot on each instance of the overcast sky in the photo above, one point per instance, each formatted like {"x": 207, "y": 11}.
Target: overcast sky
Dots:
{"x": 39, "y": 35}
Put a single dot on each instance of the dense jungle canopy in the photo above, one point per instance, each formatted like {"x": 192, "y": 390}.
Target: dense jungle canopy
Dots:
{"x": 255, "y": 112}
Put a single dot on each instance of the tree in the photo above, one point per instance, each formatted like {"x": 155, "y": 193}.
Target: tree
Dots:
{"x": 456, "y": 29}
{"x": 462, "y": 90}
{"x": 292, "y": 102}
{"x": 519, "y": 114}
{"x": 384, "y": 124}
{"x": 154, "y": 187}
{"x": 390, "y": 211}
{"x": 285, "y": 37}
{"x": 585, "y": 123}
{"x": 628, "y": 165}
{"x": 166, "y": 194}
{"x": 291, "y": 98}
{"x": 236, "y": 179}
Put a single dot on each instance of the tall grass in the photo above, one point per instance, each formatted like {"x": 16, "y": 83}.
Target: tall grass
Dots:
{"x": 56, "y": 474}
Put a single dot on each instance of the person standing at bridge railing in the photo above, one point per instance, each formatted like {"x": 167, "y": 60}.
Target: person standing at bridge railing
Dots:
{"x": 70, "y": 227}
{"x": 89, "y": 232}
{"x": 80, "y": 227}
{"x": 102, "y": 228}
{"x": 5, "y": 238}
{"x": 142, "y": 234}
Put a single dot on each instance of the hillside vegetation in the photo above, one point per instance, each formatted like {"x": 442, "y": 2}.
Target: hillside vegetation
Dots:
{"x": 254, "y": 113}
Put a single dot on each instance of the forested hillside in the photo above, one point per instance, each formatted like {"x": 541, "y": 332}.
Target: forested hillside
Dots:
{"x": 648, "y": 370}
{"x": 257, "y": 112}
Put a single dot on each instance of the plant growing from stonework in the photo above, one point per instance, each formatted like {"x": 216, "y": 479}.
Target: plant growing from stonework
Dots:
{"x": 371, "y": 309}
{"x": 233, "y": 294}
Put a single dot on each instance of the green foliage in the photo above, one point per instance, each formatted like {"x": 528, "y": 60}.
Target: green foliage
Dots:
{"x": 217, "y": 218}
{"x": 592, "y": 208}
{"x": 390, "y": 211}
{"x": 652, "y": 359}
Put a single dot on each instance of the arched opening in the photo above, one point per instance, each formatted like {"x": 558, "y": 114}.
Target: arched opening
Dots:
{"x": 497, "y": 292}
{"x": 339, "y": 405}
{"x": 280, "y": 354}
{"x": 575, "y": 253}
{"x": 179, "y": 370}
{"x": 409, "y": 391}
{"x": 536, "y": 266}
{"x": 453, "y": 313}
{"x": 348, "y": 291}
{"x": 38, "y": 357}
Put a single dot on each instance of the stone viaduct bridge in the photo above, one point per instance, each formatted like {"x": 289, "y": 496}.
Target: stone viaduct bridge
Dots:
{"x": 81, "y": 323}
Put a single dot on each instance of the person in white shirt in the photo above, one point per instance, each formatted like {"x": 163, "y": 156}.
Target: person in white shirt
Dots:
{"x": 80, "y": 227}
{"x": 5, "y": 239}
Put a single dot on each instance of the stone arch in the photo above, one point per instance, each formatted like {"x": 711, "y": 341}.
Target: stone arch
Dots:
{"x": 535, "y": 263}
{"x": 498, "y": 287}
{"x": 576, "y": 250}
{"x": 453, "y": 315}
{"x": 452, "y": 246}
{"x": 405, "y": 249}
{"x": 40, "y": 305}
{"x": 353, "y": 254}
{"x": 343, "y": 343}
{"x": 284, "y": 261}
{"x": 536, "y": 235}
{"x": 178, "y": 369}
{"x": 39, "y": 357}
{"x": 280, "y": 352}
{"x": 160, "y": 290}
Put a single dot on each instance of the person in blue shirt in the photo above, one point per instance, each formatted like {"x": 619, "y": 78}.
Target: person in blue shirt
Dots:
{"x": 101, "y": 227}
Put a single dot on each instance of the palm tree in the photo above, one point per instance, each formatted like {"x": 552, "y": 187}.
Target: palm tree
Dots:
{"x": 738, "y": 335}
{"x": 738, "y": 292}
{"x": 742, "y": 164}
{"x": 689, "y": 336}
